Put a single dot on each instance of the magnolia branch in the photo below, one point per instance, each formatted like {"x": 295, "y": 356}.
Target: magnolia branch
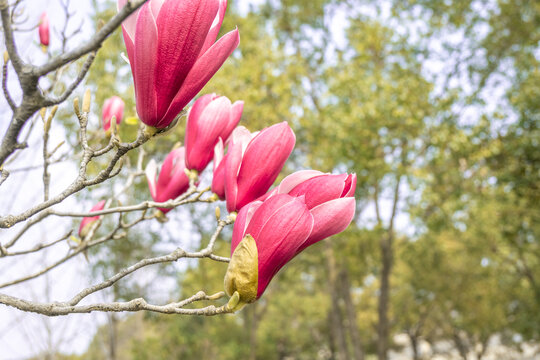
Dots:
{"x": 33, "y": 98}
{"x": 71, "y": 306}
{"x": 55, "y": 309}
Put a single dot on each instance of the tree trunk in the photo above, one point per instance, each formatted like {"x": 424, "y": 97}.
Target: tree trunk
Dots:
{"x": 113, "y": 322}
{"x": 413, "y": 337}
{"x": 336, "y": 323}
{"x": 461, "y": 346}
{"x": 383, "y": 326}
{"x": 352, "y": 326}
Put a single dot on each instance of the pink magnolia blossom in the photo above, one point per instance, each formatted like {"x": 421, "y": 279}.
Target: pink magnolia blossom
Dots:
{"x": 44, "y": 29}
{"x": 172, "y": 49}
{"x": 252, "y": 163}
{"x": 113, "y": 106}
{"x": 210, "y": 119}
{"x": 330, "y": 198}
{"x": 87, "y": 222}
{"x": 172, "y": 180}
{"x": 305, "y": 208}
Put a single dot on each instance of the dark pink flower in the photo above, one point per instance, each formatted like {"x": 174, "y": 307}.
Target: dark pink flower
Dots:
{"x": 87, "y": 222}
{"x": 173, "y": 53}
{"x": 44, "y": 29}
{"x": 172, "y": 180}
{"x": 113, "y": 106}
{"x": 252, "y": 163}
{"x": 210, "y": 119}
{"x": 330, "y": 198}
{"x": 306, "y": 207}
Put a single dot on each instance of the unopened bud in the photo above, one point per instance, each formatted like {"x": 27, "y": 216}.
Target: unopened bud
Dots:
{"x": 218, "y": 213}
{"x": 86, "y": 101}
{"x": 47, "y": 125}
{"x": 53, "y": 110}
{"x": 76, "y": 107}
{"x": 43, "y": 113}
{"x": 232, "y": 216}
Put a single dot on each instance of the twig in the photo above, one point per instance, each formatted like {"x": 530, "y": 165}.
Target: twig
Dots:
{"x": 7, "y": 95}
{"x": 82, "y": 73}
{"x": 3, "y": 175}
{"x": 94, "y": 43}
{"x": 38, "y": 247}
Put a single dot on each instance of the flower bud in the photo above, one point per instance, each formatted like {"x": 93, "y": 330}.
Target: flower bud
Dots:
{"x": 210, "y": 119}
{"x": 86, "y": 223}
{"x": 172, "y": 180}
{"x": 113, "y": 107}
{"x": 44, "y": 30}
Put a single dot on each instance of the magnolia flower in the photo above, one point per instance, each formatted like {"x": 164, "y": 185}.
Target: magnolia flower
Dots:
{"x": 252, "y": 163}
{"x": 113, "y": 106}
{"x": 210, "y": 119}
{"x": 44, "y": 29}
{"x": 307, "y": 207}
{"x": 172, "y": 180}
{"x": 171, "y": 49}
{"x": 330, "y": 198}
{"x": 86, "y": 223}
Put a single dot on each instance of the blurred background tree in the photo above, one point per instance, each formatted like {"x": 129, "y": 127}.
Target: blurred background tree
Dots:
{"x": 435, "y": 105}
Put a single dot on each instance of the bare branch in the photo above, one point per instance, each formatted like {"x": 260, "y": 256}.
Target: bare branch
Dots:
{"x": 11, "y": 47}
{"x": 55, "y": 309}
{"x": 38, "y": 247}
{"x": 133, "y": 305}
{"x": 7, "y": 95}
{"x": 3, "y": 175}
{"x": 82, "y": 73}
{"x": 94, "y": 43}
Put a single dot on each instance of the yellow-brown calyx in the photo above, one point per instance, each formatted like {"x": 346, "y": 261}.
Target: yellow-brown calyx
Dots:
{"x": 243, "y": 273}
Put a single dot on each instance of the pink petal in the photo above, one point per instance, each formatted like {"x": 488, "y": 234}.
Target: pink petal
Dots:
{"x": 130, "y": 49}
{"x": 155, "y": 6}
{"x": 218, "y": 181}
{"x": 330, "y": 218}
{"x": 193, "y": 119}
{"x": 242, "y": 221}
{"x": 173, "y": 160}
{"x": 350, "y": 186}
{"x": 236, "y": 113}
{"x": 218, "y": 153}
{"x": 291, "y": 181}
{"x": 144, "y": 64}
{"x": 280, "y": 237}
{"x": 201, "y": 72}
{"x": 183, "y": 27}
{"x": 151, "y": 172}
{"x": 320, "y": 189}
{"x": 264, "y": 157}
{"x": 86, "y": 221}
{"x": 232, "y": 165}
{"x": 271, "y": 206}
{"x": 210, "y": 124}
{"x": 129, "y": 24}
{"x": 218, "y": 176}
{"x": 214, "y": 29}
